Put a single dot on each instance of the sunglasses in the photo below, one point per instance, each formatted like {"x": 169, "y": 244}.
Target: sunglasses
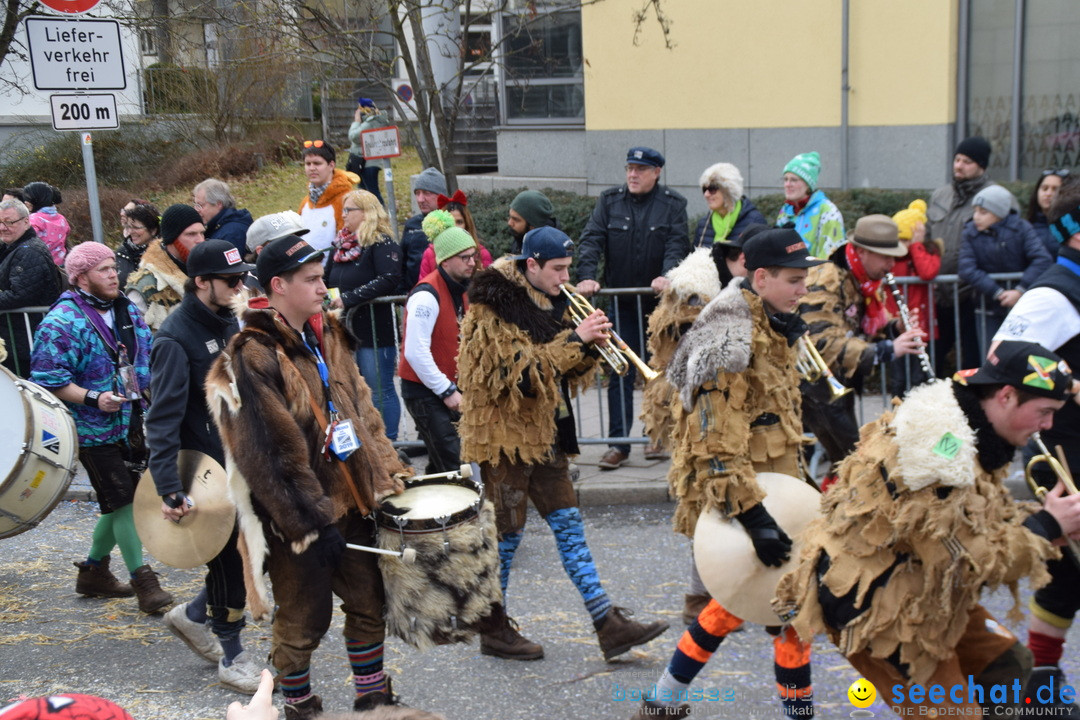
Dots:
{"x": 313, "y": 143}
{"x": 1062, "y": 173}
{"x": 231, "y": 280}
{"x": 710, "y": 188}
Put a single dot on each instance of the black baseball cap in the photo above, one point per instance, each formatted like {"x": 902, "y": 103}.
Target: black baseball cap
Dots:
{"x": 779, "y": 247}
{"x": 216, "y": 257}
{"x": 284, "y": 255}
{"x": 546, "y": 243}
{"x": 1026, "y": 366}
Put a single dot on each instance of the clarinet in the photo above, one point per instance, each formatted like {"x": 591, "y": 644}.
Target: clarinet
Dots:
{"x": 905, "y": 318}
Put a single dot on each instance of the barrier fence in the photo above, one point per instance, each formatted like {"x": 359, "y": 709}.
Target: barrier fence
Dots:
{"x": 628, "y": 309}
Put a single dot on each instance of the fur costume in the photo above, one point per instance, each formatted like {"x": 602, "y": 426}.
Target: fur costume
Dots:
{"x": 514, "y": 354}
{"x": 258, "y": 392}
{"x": 159, "y": 282}
{"x": 694, "y": 282}
{"x": 731, "y": 370}
{"x": 833, "y": 307}
{"x": 914, "y": 500}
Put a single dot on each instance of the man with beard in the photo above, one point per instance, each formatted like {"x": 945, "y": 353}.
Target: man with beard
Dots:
{"x": 529, "y": 209}
{"x": 428, "y": 367}
{"x": 92, "y": 350}
{"x": 157, "y": 286}
{"x": 184, "y": 348}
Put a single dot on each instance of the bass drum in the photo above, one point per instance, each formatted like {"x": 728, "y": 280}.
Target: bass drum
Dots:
{"x": 725, "y": 557}
{"x": 38, "y": 451}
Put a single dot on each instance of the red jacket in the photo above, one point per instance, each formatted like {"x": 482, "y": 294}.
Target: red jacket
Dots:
{"x": 926, "y": 265}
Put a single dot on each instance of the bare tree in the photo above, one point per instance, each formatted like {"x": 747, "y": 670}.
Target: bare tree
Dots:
{"x": 14, "y": 12}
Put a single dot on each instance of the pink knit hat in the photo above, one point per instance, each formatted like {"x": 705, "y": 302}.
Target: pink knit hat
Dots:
{"x": 85, "y": 257}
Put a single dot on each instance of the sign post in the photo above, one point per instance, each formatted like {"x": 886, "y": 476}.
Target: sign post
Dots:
{"x": 91, "y": 187}
{"x": 382, "y": 144}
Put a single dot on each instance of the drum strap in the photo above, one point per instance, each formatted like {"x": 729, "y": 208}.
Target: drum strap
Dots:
{"x": 321, "y": 417}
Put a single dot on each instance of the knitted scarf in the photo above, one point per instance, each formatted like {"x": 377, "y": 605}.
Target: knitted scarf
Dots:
{"x": 722, "y": 224}
{"x": 876, "y": 315}
{"x": 348, "y": 247}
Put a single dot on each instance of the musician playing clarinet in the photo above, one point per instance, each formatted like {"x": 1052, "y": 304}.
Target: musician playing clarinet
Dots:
{"x": 919, "y": 523}
{"x": 520, "y": 361}
{"x": 1049, "y": 313}
{"x": 851, "y": 327}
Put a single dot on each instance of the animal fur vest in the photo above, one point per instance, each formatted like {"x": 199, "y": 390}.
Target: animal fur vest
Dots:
{"x": 515, "y": 352}
{"x": 160, "y": 283}
{"x": 913, "y": 497}
{"x": 259, "y": 391}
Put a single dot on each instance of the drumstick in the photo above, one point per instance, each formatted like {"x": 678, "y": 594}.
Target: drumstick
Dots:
{"x": 408, "y": 555}
{"x": 465, "y": 471}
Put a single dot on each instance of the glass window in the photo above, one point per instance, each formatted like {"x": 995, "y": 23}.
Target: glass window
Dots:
{"x": 542, "y": 67}
{"x": 990, "y": 78}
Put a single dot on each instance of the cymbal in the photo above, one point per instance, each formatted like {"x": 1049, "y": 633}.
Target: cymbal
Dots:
{"x": 198, "y": 537}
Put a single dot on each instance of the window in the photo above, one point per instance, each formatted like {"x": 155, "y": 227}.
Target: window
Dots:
{"x": 147, "y": 43}
{"x": 542, "y": 68}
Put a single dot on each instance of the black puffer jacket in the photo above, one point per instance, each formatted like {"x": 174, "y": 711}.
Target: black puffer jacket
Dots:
{"x": 28, "y": 278}
{"x": 374, "y": 274}
{"x": 641, "y": 237}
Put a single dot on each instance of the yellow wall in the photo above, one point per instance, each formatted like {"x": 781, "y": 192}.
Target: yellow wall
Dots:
{"x": 769, "y": 63}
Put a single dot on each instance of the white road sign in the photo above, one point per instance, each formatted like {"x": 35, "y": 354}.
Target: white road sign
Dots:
{"x": 84, "y": 112}
{"x": 381, "y": 142}
{"x": 70, "y": 54}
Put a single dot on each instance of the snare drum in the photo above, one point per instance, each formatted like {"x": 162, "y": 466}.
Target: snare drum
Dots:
{"x": 446, "y": 594}
{"x": 38, "y": 450}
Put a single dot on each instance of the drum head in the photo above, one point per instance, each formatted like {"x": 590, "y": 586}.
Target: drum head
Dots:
{"x": 13, "y": 423}
{"x": 428, "y": 506}
{"x": 725, "y": 556}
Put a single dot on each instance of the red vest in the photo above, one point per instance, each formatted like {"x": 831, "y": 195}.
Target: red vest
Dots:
{"x": 444, "y": 336}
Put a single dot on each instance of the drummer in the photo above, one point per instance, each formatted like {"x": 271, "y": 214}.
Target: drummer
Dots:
{"x": 308, "y": 460}
{"x": 186, "y": 344}
{"x": 738, "y": 415}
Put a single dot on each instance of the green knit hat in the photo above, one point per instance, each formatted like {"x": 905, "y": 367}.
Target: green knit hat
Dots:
{"x": 807, "y": 166}
{"x": 447, "y": 237}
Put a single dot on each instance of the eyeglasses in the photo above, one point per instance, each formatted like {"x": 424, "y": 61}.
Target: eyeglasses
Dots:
{"x": 11, "y": 223}
{"x": 346, "y": 210}
{"x": 710, "y": 189}
{"x": 198, "y": 205}
{"x": 313, "y": 143}
{"x": 468, "y": 259}
{"x": 134, "y": 227}
{"x": 1062, "y": 173}
{"x": 231, "y": 280}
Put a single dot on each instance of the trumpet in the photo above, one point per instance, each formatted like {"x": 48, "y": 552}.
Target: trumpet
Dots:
{"x": 812, "y": 367}
{"x": 616, "y": 353}
{"x": 1063, "y": 474}
{"x": 905, "y": 317}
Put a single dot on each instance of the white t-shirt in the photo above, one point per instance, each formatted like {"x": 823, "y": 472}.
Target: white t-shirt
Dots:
{"x": 423, "y": 310}
{"x": 1042, "y": 316}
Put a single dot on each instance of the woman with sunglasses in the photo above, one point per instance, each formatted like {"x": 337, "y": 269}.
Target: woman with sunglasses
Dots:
{"x": 730, "y": 212}
{"x": 366, "y": 263}
{"x": 1042, "y": 197}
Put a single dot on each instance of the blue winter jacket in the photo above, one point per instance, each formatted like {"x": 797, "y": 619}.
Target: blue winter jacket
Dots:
{"x": 1009, "y": 245}
{"x": 230, "y": 224}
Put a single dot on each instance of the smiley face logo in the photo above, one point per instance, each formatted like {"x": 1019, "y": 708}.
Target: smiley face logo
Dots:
{"x": 862, "y": 693}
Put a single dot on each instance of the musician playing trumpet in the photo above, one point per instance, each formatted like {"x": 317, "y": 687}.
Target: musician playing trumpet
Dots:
{"x": 845, "y": 309}
{"x": 919, "y": 522}
{"x": 521, "y": 361}
{"x": 736, "y": 414}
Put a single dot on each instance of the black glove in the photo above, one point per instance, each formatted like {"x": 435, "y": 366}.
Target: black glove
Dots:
{"x": 328, "y": 547}
{"x": 772, "y": 545}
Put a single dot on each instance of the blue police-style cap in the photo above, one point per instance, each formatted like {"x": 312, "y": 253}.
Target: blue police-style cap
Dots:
{"x": 546, "y": 243}
{"x": 644, "y": 156}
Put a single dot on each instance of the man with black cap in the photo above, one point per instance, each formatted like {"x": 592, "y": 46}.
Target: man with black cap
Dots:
{"x": 919, "y": 523}
{"x": 736, "y": 414}
{"x": 529, "y": 209}
{"x": 308, "y": 461}
{"x": 853, "y": 330}
{"x": 522, "y": 361}
{"x": 157, "y": 286}
{"x": 185, "y": 346}
{"x": 949, "y": 209}
{"x": 640, "y": 229}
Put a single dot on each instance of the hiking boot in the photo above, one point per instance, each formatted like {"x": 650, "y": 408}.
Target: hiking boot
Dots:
{"x": 653, "y": 451}
{"x": 96, "y": 580}
{"x": 151, "y": 597}
{"x": 306, "y": 709}
{"x": 195, "y": 635}
{"x": 612, "y": 459}
{"x": 649, "y": 709}
{"x": 504, "y": 641}
{"x": 1050, "y": 679}
{"x": 371, "y": 700}
{"x": 618, "y": 633}
{"x": 692, "y": 607}
{"x": 243, "y": 675}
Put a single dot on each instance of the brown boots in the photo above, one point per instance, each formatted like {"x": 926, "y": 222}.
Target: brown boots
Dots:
{"x": 502, "y": 639}
{"x": 618, "y": 633}
{"x": 151, "y": 597}
{"x": 96, "y": 580}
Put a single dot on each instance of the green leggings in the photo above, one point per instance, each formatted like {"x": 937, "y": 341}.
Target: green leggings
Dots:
{"x": 118, "y": 528}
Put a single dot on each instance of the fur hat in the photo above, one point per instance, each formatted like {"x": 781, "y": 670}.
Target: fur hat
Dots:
{"x": 430, "y": 180}
{"x": 176, "y": 219}
{"x": 84, "y": 257}
{"x": 727, "y": 176}
{"x": 909, "y": 217}
{"x": 806, "y": 166}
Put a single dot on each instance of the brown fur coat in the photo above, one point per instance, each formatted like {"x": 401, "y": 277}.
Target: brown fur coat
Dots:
{"x": 159, "y": 284}
{"x": 514, "y": 353}
{"x": 833, "y": 308}
{"x": 258, "y": 392}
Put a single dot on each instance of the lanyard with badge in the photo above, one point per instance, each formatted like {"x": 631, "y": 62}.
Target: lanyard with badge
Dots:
{"x": 341, "y": 438}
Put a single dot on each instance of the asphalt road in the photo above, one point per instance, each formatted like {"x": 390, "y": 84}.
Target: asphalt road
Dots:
{"x": 52, "y": 640}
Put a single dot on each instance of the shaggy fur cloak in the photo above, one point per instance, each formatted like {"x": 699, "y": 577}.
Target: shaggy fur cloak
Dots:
{"x": 159, "y": 282}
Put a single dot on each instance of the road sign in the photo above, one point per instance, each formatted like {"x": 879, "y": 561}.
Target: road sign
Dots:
{"x": 67, "y": 54}
{"x": 70, "y": 7}
{"x": 84, "y": 112}
{"x": 381, "y": 143}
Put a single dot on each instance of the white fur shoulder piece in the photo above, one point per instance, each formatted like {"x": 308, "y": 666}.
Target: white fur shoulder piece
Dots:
{"x": 695, "y": 275}
{"x": 718, "y": 340}
{"x": 936, "y": 443}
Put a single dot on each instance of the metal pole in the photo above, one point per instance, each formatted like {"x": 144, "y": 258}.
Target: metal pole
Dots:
{"x": 1017, "y": 90}
{"x": 962, "y": 65}
{"x": 91, "y": 187}
{"x": 845, "y": 91}
{"x": 391, "y": 201}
